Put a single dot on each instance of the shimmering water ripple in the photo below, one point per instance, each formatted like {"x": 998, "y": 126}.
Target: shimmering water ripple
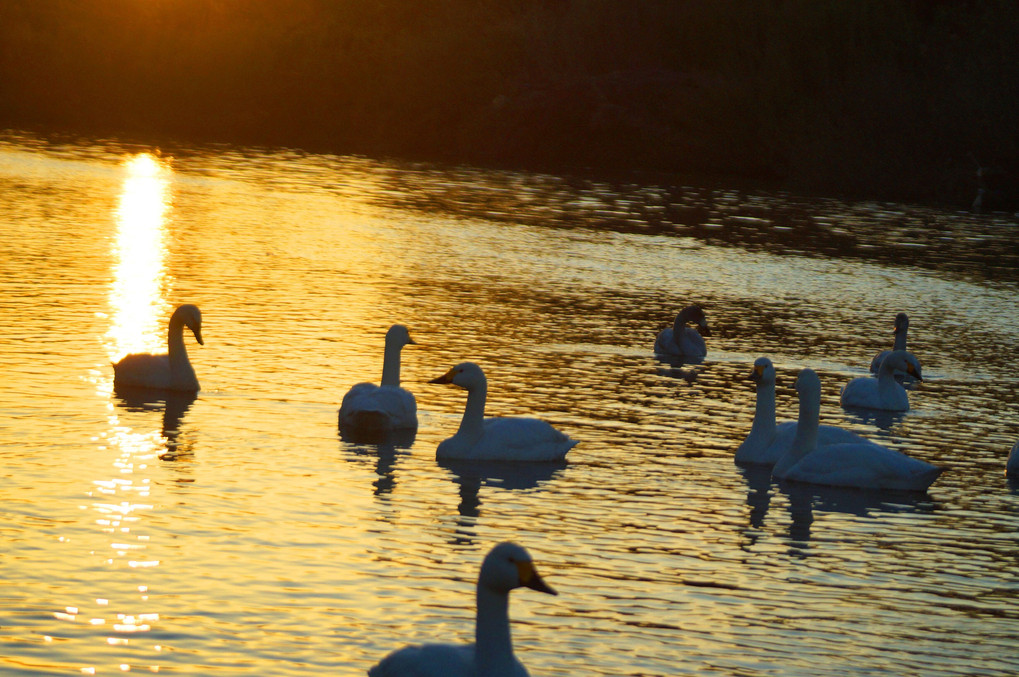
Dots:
{"x": 235, "y": 533}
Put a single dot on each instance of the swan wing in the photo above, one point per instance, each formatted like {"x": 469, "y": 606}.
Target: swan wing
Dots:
{"x": 428, "y": 660}
{"x": 665, "y": 344}
{"x": 143, "y": 370}
{"x": 875, "y": 364}
{"x": 510, "y": 439}
{"x": 524, "y": 439}
{"x": 385, "y": 407}
{"x": 692, "y": 344}
{"x": 863, "y": 465}
{"x": 865, "y": 392}
{"x": 768, "y": 451}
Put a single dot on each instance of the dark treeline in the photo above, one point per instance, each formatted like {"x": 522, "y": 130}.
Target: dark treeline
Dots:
{"x": 882, "y": 98}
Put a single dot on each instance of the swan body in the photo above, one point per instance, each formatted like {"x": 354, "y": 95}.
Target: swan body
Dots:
{"x": 883, "y": 391}
{"x": 861, "y": 464}
{"x": 387, "y": 406}
{"x": 497, "y": 438}
{"x": 1012, "y": 467}
{"x": 506, "y": 567}
{"x": 901, "y": 329}
{"x": 768, "y": 440}
{"x": 172, "y": 371}
{"x": 681, "y": 340}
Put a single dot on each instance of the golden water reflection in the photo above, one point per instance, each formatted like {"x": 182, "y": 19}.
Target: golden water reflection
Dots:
{"x": 120, "y": 498}
{"x": 140, "y": 281}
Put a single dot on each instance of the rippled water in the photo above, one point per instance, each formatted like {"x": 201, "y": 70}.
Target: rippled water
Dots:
{"x": 236, "y": 533}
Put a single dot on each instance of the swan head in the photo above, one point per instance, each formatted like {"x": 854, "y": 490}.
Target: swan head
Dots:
{"x": 508, "y": 566}
{"x": 763, "y": 372}
{"x": 466, "y": 375}
{"x": 190, "y": 317}
{"x": 399, "y": 336}
{"x": 693, "y": 314}
{"x": 901, "y": 360}
{"x": 901, "y": 323}
{"x": 808, "y": 384}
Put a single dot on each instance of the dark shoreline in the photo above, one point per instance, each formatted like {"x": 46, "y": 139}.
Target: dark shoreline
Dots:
{"x": 901, "y": 100}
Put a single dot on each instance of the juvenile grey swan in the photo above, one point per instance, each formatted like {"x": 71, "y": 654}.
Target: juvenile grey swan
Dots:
{"x": 901, "y": 329}
{"x": 883, "y": 391}
{"x": 681, "y": 340}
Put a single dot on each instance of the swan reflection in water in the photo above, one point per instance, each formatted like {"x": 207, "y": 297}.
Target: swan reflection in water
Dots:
{"x": 807, "y": 499}
{"x": 470, "y": 476}
{"x": 804, "y": 501}
{"x": 675, "y": 369}
{"x": 380, "y": 448}
{"x": 173, "y": 403}
{"x": 881, "y": 419}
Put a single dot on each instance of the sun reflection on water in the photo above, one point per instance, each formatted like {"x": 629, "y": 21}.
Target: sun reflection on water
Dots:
{"x": 140, "y": 281}
{"x": 119, "y": 498}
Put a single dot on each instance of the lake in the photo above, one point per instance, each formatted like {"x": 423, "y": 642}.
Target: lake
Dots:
{"x": 236, "y": 532}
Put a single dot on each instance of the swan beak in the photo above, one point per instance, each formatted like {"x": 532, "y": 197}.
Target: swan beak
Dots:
{"x": 445, "y": 378}
{"x": 529, "y": 578}
{"x": 914, "y": 372}
{"x": 702, "y": 328}
{"x": 756, "y": 374}
{"x": 198, "y": 336}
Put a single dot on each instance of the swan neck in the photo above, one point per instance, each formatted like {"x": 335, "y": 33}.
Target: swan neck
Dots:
{"x": 900, "y": 340}
{"x": 493, "y": 643}
{"x": 805, "y": 440}
{"x": 764, "y": 410}
{"x": 391, "y": 364}
{"x": 678, "y": 329}
{"x": 175, "y": 345}
{"x": 886, "y": 383}
{"x": 474, "y": 413}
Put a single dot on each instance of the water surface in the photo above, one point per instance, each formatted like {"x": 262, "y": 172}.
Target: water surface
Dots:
{"x": 236, "y": 533}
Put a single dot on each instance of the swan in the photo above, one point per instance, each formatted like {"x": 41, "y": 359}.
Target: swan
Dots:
{"x": 384, "y": 407}
{"x": 507, "y": 566}
{"x": 496, "y": 438}
{"x": 901, "y": 328}
{"x": 681, "y": 340}
{"x": 172, "y": 371}
{"x": 768, "y": 440}
{"x": 883, "y": 391}
{"x": 861, "y": 464}
{"x": 1012, "y": 467}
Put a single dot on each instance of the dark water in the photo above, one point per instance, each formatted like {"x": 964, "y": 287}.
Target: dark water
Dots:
{"x": 237, "y": 533}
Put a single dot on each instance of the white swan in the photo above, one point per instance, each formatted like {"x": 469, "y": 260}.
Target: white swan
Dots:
{"x": 768, "y": 440}
{"x": 1012, "y": 467}
{"x": 384, "y": 407}
{"x": 901, "y": 329}
{"x": 172, "y": 371}
{"x": 681, "y": 340}
{"x": 507, "y": 566}
{"x": 496, "y": 438}
{"x": 861, "y": 464}
{"x": 883, "y": 391}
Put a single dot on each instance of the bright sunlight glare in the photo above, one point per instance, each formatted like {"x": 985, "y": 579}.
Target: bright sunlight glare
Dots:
{"x": 140, "y": 282}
